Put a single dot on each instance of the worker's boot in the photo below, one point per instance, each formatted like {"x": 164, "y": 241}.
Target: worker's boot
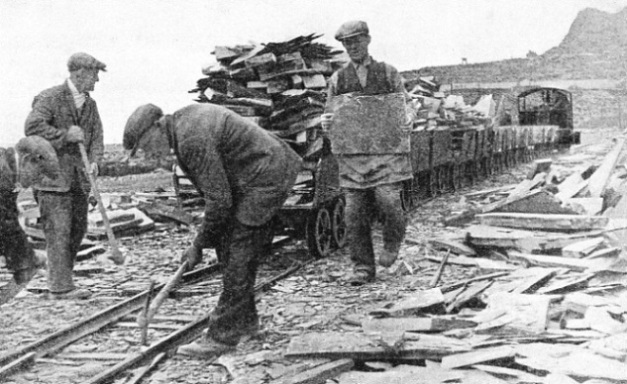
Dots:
{"x": 24, "y": 275}
{"x": 205, "y": 348}
{"x": 74, "y": 294}
{"x": 387, "y": 258}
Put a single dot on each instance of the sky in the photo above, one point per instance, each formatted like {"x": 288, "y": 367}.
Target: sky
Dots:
{"x": 155, "y": 49}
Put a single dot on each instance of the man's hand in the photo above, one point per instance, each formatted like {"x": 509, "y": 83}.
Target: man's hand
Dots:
{"x": 193, "y": 256}
{"x": 75, "y": 135}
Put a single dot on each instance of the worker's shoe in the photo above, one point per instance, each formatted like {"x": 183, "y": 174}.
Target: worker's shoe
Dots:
{"x": 250, "y": 332}
{"x": 387, "y": 258}
{"x": 359, "y": 278}
{"x": 23, "y": 276}
{"x": 205, "y": 349}
{"x": 74, "y": 294}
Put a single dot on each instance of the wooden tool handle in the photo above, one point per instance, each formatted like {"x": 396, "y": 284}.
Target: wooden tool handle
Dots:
{"x": 144, "y": 319}
{"x": 116, "y": 256}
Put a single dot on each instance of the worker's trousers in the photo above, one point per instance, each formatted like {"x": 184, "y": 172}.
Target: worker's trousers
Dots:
{"x": 64, "y": 216}
{"x": 363, "y": 206}
{"x": 240, "y": 251}
{"x": 13, "y": 242}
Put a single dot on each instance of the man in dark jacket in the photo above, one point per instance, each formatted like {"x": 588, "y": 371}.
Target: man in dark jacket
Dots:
{"x": 372, "y": 183}
{"x": 66, "y": 115}
{"x": 245, "y": 174}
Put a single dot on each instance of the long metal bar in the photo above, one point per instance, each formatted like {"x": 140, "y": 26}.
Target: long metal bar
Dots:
{"x": 99, "y": 320}
{"x": 183, "y": 336}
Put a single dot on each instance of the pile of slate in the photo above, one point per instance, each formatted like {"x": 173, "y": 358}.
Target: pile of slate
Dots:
{"x": 280, "y": 86}
{"x": 549, "y": 304}
{"x": 435, "y": 110}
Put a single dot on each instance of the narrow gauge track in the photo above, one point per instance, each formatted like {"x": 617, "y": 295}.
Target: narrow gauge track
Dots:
{"x": 22, "y": 358}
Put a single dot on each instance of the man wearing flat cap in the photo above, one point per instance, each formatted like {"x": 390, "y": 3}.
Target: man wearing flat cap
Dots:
{"x": 245, "y": 173}
{"x": 66, "y": 115}
{"x": 372, "y": 183}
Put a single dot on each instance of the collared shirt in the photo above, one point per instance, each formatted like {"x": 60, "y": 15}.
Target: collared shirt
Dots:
{"x": 79, "y": 97}
{"x": 391, "y": 74}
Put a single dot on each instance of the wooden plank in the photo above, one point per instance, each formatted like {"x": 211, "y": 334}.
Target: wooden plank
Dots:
{"x": 456, "y": 247}
{"x": 552, "y": 261}
{"x": 539, "y": 166}
{"x": 601, "y": 320}
{"x": 539, "y": 278}
{"x": 412, "y": 305}
{"x": 337, "y": 345}
{"x": 526, "y": 241}
{"x": 261, "y": 60}
{"x": 94, "y": 219}
{"x": 586, "y": 205}
{"x": 545, "y": 222}
{"x": 521, "y": 376}
{"x": 158, "y": 211}
{"x": 319, "y": 374}
{"x": 570, "y": 284}
{"x": 599, "y": 179}
{"x": 582, "y": 248}
{"x": 468, "y": 294}
{"x": 461, "y": 284}
{"x": 582, "y": 364}
{"x": 415, "y": 324}
{"x": 402, "y": 374}
{"x": 571, "y": 187}
{"x": 531, "y": 311}
{"x": 536, "y": 201}
{"x": 501, "y": 354}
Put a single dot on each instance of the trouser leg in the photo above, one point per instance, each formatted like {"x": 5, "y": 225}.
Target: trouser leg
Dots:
{"x": 64, "y": 227}
{"x": 14, "y": 244}
{"x": 388, "y": 200}
{"x": 359, "y": 211}
{"x": 236, "y": 310}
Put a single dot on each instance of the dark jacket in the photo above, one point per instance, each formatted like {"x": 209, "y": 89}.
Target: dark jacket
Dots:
{"x": 242, "y": 170}
{"x": 52, "y": 115}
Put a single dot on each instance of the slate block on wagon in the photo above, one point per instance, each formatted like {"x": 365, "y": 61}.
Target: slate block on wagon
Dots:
{"x": 369, "y": 125}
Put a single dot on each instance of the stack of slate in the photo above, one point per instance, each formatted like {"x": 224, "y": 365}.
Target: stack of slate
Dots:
{"x": 280, "y": 86}
{"x": 434, "y": 110}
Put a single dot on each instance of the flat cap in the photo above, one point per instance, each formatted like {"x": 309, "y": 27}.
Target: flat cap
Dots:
{"x": 138, "y": 124}
{"x": 83, "y": 60}
{"x": 351, "y": 28}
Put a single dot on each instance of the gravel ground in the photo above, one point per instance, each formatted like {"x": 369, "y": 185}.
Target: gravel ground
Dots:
{"x": 313, "y": 299}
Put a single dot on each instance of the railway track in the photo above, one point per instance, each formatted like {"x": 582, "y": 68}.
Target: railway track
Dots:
{"x": 23, "y": 358}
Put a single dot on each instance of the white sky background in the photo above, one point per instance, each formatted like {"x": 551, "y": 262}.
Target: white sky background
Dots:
{"x": 154, "y": 50}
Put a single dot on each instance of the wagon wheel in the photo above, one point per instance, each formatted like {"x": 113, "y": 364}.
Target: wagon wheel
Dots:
{"x": 319, "y": 233}
{"x": 338, "y": 223}
{"x": 407, "y": 201}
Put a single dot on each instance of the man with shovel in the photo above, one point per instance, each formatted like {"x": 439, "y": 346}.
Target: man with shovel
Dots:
{"x": 67, "y": 117}
{"x": 245, "y": 174}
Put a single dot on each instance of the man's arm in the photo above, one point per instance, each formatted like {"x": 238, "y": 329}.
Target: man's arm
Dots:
{"x": 39, "y": 122}
{"x": 209, "y": 176}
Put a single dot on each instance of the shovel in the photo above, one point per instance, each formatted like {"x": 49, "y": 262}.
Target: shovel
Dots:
{"x": 116, "y": 256}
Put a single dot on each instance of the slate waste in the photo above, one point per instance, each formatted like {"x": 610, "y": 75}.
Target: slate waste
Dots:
{"x": 549, "y": 305}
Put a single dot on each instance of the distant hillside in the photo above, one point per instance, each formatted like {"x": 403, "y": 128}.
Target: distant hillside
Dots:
{"x": 594, "y": 48}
